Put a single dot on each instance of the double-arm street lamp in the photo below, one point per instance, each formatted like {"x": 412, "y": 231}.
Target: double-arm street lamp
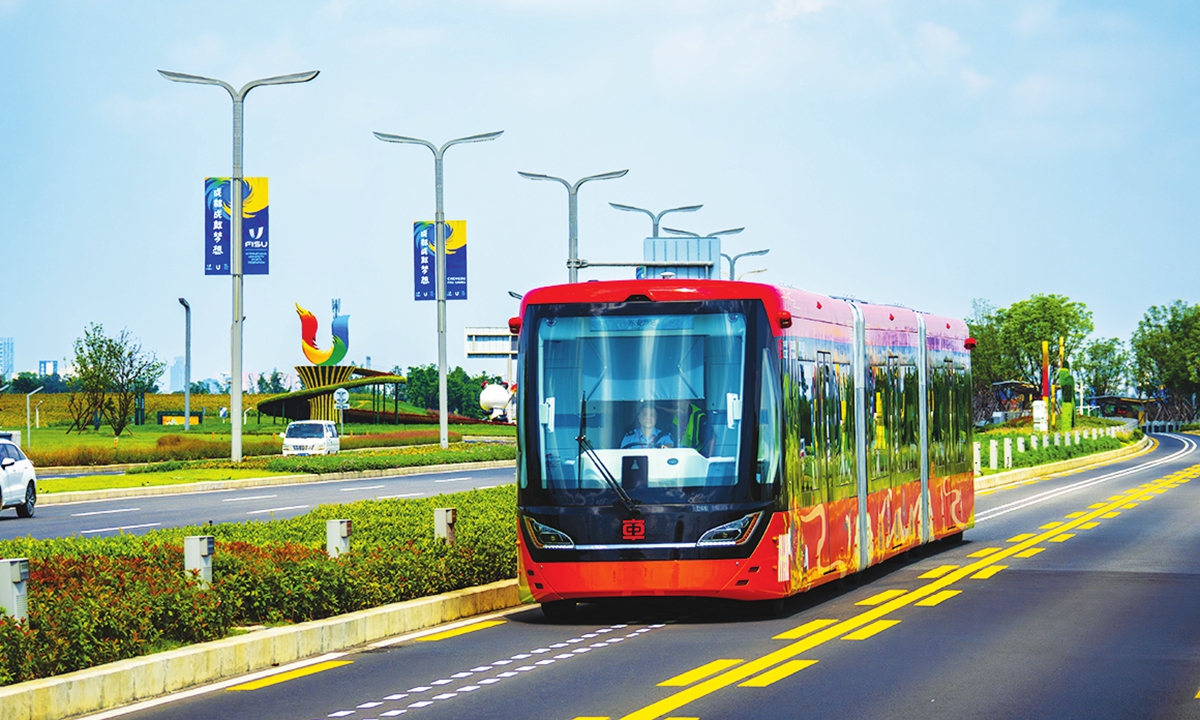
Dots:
{"x": 573, "y": 212}
{"x": 656, "y": 217}
{"x": 733, "y": 261}
{"x": 440, "y": 249}
{"x": 236, "y": 239}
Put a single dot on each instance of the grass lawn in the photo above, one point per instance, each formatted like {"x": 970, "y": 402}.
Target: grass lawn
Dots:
{"x": 175, "y": 477}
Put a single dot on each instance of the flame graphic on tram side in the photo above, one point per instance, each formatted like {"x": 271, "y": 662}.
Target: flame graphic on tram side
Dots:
{"x": 308, "y": 336}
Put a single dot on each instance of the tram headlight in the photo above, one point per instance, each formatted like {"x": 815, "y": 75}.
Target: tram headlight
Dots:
{"x": 731, "y": 533}
{"x": 544, "y": 536}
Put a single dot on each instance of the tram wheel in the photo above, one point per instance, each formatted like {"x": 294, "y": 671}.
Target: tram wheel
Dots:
{"x": 954, "y": 539}
{"x": 559, "y": 611}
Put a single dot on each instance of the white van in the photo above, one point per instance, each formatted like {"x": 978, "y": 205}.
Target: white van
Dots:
{"x": 311, "y": 437}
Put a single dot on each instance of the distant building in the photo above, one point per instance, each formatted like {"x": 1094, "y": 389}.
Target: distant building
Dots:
{"x": 6, "y": 357}
{"x": 177, "y": 372}
{"x": 47, "y": 367}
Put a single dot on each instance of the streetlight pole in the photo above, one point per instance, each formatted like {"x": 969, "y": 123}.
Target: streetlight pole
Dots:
{"x": 573, "y": 213}
{"x": 237, "y": 241}
{"x": 733, "y": 260}
{"x": 28, "y": 437}
{"x": 187, "y": 364}
{"x": 656, "y": 217}
{"x": 440, "y": 248}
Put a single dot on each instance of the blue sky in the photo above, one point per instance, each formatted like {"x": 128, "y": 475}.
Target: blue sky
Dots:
{"x": 917, "y": 152}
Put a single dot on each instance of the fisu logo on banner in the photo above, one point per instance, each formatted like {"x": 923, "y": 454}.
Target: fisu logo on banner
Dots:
{"x": 218, "y": 227}
{"x": 425, "y": 260}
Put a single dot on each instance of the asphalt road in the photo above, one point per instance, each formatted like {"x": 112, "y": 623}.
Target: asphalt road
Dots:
{"x": 1073, "y": 597}
{"x": 142, "y": 514}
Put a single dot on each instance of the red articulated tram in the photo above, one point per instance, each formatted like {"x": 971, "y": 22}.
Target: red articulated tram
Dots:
{"x": 736, "y": 440}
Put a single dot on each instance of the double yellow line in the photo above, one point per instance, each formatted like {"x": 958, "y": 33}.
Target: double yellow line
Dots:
{"x": 781, "y": 663}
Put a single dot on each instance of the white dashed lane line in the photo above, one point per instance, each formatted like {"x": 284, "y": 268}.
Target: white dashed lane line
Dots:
{"x": 415, "y": 697}
{"x": 249, "y": 497}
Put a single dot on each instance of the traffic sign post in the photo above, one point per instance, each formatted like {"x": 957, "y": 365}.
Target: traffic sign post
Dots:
{"x": 341, "y": 401}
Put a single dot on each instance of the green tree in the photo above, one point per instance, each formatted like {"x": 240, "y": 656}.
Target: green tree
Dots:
{"x": 270, "y": 384}
{"x": 422, "y": 387}
{"x": 989, "y": 362}
{"x": 133, "y": 371}
{"x": 94, "y": 354}
{"x": 1103, "y": 367}
{"x": 199, "y": 387}
{"x": 25, "y": 382}
{"x": 1025, "y": 324}
{"x": 1166, "y": 357}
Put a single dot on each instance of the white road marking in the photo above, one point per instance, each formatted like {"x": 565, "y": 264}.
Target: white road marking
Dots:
{"x": 484, "y": 682}
{"x": 446, "y": 480}
{"x": 119, "y": 527}
{"x": 356, "y": 489}
{"x": 1188, "y": 447}
{"x": 278, "y": 509}
{"x": 104, "y": 512}
{"x": 250, "y": 497}
{"x": 401, "y": 495}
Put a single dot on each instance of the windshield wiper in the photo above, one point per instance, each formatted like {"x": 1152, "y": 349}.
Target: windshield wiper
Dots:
{"x": 612, "y": 482}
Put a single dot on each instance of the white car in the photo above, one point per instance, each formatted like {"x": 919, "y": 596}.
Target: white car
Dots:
{"x": 18, "y": 481}
{"x": 311, "y": 437}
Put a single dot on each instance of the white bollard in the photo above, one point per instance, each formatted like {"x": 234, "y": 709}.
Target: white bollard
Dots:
{"x": 1067, "y": 439}
{"x": 993, "y": 455}
{"x": 1045, "y": 441}
{"x": 978, "y": 465}
{"x": 337, "y": 537}
{"x": 14, "y": 583}
{"x": 1057, "y": 439}
{"x": 1007, "y": 453}
{"x": 1076, "y": 437}
{"x": 197, "y": 557}
{"x": 1033, "y": 442}
{"x": 443, "y": 523}
{"x": 1021, "y": 445}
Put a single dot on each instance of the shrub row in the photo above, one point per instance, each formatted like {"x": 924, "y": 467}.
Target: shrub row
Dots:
{"x": 407, "y": 457}
{"x": 96, "y": 600}
{"x": 369, "y": 460}
{"x": 168, "y": 447}
{"x": 1053, "y": 453}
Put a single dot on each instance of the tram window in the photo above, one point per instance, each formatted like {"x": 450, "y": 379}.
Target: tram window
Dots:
{"x": 879, "y": 394}
{"x": 768, "y": 425}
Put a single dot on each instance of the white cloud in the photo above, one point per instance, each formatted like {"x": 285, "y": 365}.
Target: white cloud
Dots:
{"x": 938, "y": 47}
{"x": 1033, "y": 19}
{"x": 785, "y": 9}
{"x": 975, "y": 82}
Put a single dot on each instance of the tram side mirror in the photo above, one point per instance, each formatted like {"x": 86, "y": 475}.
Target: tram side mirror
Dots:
{"x": 733, "y": 409}
{"x": 546, "y": 411}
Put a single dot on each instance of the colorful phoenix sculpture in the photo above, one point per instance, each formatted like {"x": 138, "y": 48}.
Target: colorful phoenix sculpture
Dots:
{"x": 308, "y": 336}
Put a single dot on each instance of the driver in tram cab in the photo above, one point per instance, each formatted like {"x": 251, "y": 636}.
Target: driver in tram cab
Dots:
{"x": 645, "y": 432}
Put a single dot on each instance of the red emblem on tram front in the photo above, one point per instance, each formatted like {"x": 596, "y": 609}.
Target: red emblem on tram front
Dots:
{"x": 633, "y": 529}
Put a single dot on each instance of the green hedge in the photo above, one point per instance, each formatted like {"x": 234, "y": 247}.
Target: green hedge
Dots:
{"x": 408, "y": 457}
{"x": 1043, "y": 455}
{"x": 347, "y": 462}
{"x": 96, "y": 600}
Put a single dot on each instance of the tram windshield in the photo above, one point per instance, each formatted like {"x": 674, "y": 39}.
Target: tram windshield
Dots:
{"x": 636, "y": 406}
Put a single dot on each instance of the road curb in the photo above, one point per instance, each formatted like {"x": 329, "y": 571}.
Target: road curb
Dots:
{"x": 1011, "y": 477}
{"x": 127, "y": 681}
{"x": 63, "y": 498}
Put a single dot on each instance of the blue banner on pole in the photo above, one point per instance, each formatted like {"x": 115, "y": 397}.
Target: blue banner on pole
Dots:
{"x": 218, "y": 257}
{"x": 425, "y": 260}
